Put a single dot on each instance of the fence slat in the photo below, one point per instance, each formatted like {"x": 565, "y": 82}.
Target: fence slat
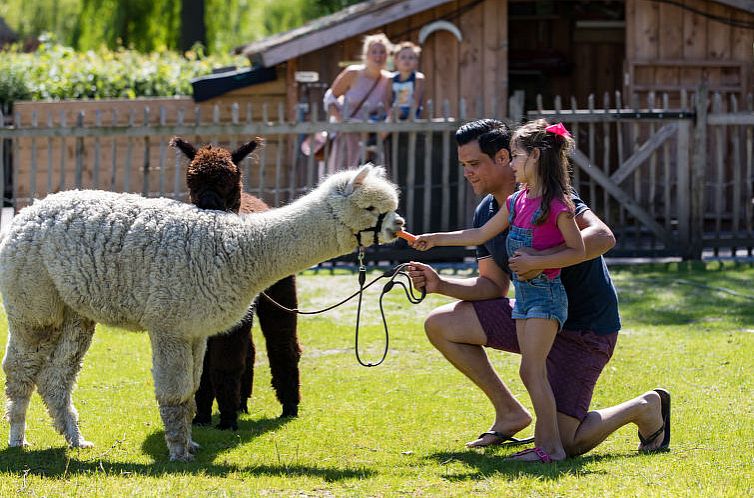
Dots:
{"x": 163, "y": 152}
{"x": 145, "y": 163}
{"x": 684, "y": 184}
{"x": 97, "y": 150}
{"x": 446, "y": 171}
{"x": 698, "y": 177}
{"x": 735, "y": 138}
{"x": 33, "y": 179}
{"x": 78, "y": 176}
{"x": 719, "y": 171}
{"x": 63, "y": 124}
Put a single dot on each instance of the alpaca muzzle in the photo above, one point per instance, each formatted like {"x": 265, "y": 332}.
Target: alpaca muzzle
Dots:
{"x": 376, "y": 229}
{"x": 387, "y": 225}
{"x": 211, "y": 200}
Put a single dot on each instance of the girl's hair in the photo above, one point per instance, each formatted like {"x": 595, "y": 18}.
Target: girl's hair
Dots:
{"x": 370, "y": 40}
{"x": 553, "y": 169}
{"x": 407, "y": 45}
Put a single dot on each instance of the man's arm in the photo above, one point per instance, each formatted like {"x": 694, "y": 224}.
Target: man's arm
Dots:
{"x": 598, "y": 239}
{"x": 491, "y": 283}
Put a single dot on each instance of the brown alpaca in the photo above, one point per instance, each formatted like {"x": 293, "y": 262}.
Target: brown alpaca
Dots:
{"x": 214, "y": 182}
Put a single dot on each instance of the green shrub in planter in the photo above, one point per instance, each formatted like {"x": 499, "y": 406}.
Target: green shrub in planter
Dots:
{"x": 58, "y": 72}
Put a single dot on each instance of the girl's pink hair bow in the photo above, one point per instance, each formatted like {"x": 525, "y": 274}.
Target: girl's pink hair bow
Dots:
{"x": 558, "y": 129}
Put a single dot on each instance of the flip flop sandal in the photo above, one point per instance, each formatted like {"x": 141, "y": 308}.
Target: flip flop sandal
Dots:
{"x": 501, "y": 439}
{"x": 665, "y": 428}
{"x": 542, "y": 455}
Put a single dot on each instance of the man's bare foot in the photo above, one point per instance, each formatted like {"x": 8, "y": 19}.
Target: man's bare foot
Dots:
{"x": 659, "y": 439}
{"x": 650, "y": 421}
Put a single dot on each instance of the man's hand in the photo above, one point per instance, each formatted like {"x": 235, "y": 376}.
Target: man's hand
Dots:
{"x": 523, "y": 264}
{"x": 424, "y": 277}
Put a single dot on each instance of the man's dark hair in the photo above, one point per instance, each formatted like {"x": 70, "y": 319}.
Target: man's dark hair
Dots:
{"x": 492, "y": 135}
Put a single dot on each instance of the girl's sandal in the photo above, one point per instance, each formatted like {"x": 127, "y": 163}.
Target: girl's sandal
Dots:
{"x": 542, "y": 455}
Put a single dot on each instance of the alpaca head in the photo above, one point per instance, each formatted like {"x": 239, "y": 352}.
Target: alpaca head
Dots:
{"x": 213, "y": 176}
{"x": 364, "y": 201}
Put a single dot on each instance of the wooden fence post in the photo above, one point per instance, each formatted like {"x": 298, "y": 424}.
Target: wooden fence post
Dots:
{"x": 697, "y": 175}
{"x": 686, "y": 220}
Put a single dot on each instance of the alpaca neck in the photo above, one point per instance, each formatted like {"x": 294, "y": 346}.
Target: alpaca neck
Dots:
{"x": 294, "y": 238}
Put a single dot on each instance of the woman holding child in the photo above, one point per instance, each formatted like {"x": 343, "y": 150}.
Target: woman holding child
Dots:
{"x": 359, "y": 93}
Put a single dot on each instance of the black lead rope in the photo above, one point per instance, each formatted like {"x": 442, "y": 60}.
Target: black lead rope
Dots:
{"x": 392, "y": 274}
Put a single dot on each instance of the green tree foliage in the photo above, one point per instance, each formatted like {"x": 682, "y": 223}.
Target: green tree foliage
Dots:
{"x": 31, "y": 18}
{"x": 330, "y": 6}
{"x": 149, "y": 25}
{"x": 231, "y": 23}
{"x": 144, "y": 25}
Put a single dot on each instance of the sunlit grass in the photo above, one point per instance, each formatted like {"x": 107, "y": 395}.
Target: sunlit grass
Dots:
{"x": 399, "y": 429}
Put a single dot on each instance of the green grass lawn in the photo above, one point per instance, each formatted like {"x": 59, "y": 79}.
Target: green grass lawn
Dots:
{"x": 399, "y": 429}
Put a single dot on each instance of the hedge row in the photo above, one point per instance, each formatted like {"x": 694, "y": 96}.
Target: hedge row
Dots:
{"x": 58, "y": 72}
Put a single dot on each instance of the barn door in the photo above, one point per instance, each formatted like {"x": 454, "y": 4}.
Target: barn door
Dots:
{"x": 663, "y": 216}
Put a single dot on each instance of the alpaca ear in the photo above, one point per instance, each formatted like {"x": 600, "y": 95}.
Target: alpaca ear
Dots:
{"x": 185, "y": 147}
{"x": 244, "y": 150}
{"x": 358, "y": 180}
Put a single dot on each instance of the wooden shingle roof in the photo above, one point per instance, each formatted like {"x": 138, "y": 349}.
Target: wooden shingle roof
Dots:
{"x": 351, "y": 21}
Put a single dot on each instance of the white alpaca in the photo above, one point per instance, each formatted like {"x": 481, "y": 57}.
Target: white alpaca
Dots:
{"x": 83, "y": 257}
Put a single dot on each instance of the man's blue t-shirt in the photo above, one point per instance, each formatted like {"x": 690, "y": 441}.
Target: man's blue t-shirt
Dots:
{"x": 592, "y": 300}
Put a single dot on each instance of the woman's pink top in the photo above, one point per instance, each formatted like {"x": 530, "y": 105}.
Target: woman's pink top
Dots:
{"x": 358, "y": 90}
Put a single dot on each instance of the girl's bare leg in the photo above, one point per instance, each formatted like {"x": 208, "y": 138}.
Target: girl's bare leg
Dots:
{"x": 535, "y": 338}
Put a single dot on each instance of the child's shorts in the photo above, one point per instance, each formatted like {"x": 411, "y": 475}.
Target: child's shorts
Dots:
{"x": 541, "y": 297}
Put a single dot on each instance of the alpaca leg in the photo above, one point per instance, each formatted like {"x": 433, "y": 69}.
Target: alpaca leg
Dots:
{"x": 57, "y": 377}
{"x": 199, "y": 350}
{"x": 27, "y": 350}
{"x": 228, "y": 361}
{"x": 280, "y": 332}
{"x": 173, "y": 372}
{"x": 204, "y": 394}
{"x": 247, "y": 376}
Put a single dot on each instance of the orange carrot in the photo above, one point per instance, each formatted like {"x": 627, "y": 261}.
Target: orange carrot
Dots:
{"x": 405, "y": 235}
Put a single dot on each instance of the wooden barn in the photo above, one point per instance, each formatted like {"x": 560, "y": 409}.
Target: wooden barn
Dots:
{"x": 483, "y": 51}
{"x": 669, "y": 183}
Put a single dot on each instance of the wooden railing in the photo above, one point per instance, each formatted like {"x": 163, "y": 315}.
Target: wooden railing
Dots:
{"x": 669, "y": 181}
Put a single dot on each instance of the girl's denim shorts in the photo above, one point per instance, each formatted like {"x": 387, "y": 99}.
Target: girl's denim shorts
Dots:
{"x": 541, "y": 297}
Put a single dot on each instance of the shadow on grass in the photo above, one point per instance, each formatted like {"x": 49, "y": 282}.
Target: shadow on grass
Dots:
{"x": 667, "y": 300}
{"x": 60, "y": 462}
{"x": 214, "y": 441}
{"x": 488, "y": 464}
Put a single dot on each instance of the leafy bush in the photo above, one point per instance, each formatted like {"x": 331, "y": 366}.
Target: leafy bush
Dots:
{"x": 58, "y": 72}
{"x": 12, "y": 86}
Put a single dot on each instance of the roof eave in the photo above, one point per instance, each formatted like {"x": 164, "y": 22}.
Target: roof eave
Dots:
{"x": 332, "y": 29}
{"x": 745, "y": 5}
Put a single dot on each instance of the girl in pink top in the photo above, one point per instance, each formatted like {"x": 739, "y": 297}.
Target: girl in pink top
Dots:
{"x": 538, "y": 216}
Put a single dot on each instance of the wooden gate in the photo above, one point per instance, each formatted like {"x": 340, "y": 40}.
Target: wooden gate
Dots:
{"x": 633, "y": 171}
{"x": 668, "y": 182}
